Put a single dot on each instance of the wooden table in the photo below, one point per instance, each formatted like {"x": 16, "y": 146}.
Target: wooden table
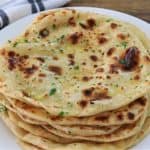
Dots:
{"x": 138, "y": 8}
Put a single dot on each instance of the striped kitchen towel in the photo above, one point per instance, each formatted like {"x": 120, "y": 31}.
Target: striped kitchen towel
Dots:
{"x": 12, "y": 10}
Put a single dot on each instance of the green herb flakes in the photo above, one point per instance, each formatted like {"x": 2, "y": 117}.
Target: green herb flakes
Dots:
{"x": 62, "y": 113}
{"x": 80, "y": 23}
{"x": 141, "y": 66}
{"x": 54, "y": 26}
{"x": 76, "y": 67}
{"x": 26, "y": 41}
{"x": 61, "y": 50}
{"x": 70, "y": 104}
{"x": 2, "y": 108}
{"x": 122, "y": 61}
{"x": 62, "y": 37}
{"x": 124, "y": 44}
{"x": 35, "y": 40}
{"x": 148, "y": 51}
{"x": 9, "y": 41}
{"x": 59, "y": 39}
{"x": 108, "y": 20}
{"x": 15, "y": 44}
{"x": 116, "y": 85}
{"x": 52, "y": 91}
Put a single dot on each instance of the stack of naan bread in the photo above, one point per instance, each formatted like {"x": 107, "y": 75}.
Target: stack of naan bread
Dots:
{"x": 74, "y": 81}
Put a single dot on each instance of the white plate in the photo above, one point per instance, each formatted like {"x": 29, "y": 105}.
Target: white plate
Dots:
{"x": 3, "y": 2}
{"x": 7, "y": 141}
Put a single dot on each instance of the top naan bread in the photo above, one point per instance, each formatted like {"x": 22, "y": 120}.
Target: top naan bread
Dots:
{"x": 76, "y": 64}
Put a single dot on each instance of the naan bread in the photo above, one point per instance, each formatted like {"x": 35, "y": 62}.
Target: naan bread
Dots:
{"x": 45, "y": 144}
{"x": 76, "y": 81}
{"x": 126, "y": 114}
{"x": 36, "y": 129}
{"x": 76, "y": 61}
{"x": 123, "y": 132}
{"x": 75, "y": 132}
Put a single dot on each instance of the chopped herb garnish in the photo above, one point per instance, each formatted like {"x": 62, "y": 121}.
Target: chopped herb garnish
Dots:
{"x": 33, "y": 79}
{"x": 61, "y": 50}
{"x": 26, "y": 41}
{"x": 2, "y": 108}
{"x": 122, "y": 61}
{"x": 15, "y": 44}
{"x": 80, "y": 23}
{"x": 53, "y": 83}
{"x": 62, "y": 37}
{"x": 76, "y": 67}
{"x": 54, "y": 26}
{"x": 148, "y": 51}
{"x": 116, "y": 85}
{"x": 141, "y": 66}
{"x": 70, "y": 104}
{"x": 108, "y": 20}
{"x": 124, "y": 44}
{"x": 52, "y": 91}
{"x": 62, "y": 113}
{"x": 9, "y": 41}
{"x": 35, "y": 40}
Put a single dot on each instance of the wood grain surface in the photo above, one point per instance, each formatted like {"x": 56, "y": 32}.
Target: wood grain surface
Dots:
{"x": 138, "y": 8}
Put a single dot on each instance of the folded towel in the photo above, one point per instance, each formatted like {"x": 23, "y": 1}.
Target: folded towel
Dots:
{"x": 16, "y": 9}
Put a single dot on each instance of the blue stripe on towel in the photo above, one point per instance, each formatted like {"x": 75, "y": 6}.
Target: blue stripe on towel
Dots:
{"x": 4, "y": 17}
{"x": 40, "y": 4}
{"x": 34, "y": 9}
